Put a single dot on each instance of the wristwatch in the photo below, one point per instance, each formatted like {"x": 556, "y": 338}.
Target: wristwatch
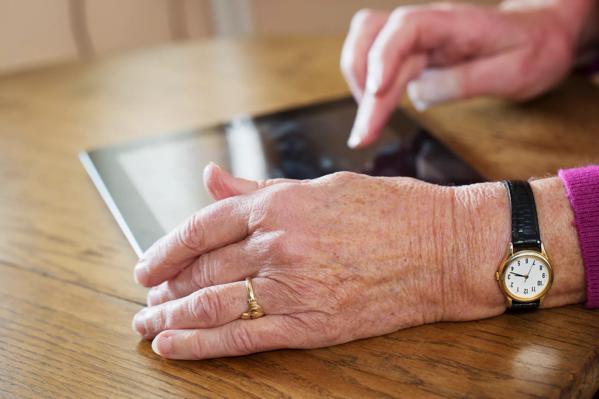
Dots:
{"x": 525, "y": 274}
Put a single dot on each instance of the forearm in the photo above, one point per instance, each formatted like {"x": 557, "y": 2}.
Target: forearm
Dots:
{"x": 483, "y": 213}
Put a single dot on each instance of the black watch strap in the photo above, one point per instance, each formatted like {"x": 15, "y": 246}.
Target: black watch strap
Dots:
{"x": 525, "y": 225}
{"x": 518, "y": 306}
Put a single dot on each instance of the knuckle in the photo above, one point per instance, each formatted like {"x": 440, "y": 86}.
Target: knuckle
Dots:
{"x": 362, "y": 17}
{"x": 159, "y": 295}
{"x": 158, "y": 321}
{"x": 271, "y": 208}
{"x": 401, "y": 15}
{"x": 196, "y": 347}
{"x": 275, "y": 244}
{"x": 192, "y": 235}
{"x": 206, "y": 306}
{"x": 340, "y": 177}
{"x": 203, "y": 272}
{"x": 284, "y": 247}
{"x": 167, "y": 289}
{"x": 241, "y": 340}
{"x": 344, "y": 176}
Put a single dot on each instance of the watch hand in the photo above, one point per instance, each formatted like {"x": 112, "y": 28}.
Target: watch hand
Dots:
{"x": 528, "y": 274}
{"x": 520, "y": 275}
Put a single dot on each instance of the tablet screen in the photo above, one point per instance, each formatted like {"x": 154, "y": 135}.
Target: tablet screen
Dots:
{"x": 152, "y": 185}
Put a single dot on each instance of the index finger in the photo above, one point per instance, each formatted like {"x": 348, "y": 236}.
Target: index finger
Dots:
{"x": 219, "y": 224}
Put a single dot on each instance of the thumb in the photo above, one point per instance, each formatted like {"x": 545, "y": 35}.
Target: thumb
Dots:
{"x": 220, "y": 184}
{"x": 494, "y": 76}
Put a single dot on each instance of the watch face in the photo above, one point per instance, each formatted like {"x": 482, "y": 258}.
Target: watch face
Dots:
{"x": 527, "y": 276}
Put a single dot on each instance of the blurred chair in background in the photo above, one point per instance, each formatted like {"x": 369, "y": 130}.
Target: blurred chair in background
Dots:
{"x": 40, "y": 32}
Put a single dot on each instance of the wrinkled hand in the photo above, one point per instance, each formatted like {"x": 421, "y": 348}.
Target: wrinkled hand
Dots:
{"x": 332, "y": 260}
{"x": 450, "y": 52}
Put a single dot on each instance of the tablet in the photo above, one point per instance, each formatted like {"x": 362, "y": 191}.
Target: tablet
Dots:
{"x": 154, "y": 184}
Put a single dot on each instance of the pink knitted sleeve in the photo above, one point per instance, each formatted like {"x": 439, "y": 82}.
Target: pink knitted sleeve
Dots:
{"x": 582, "y": 189}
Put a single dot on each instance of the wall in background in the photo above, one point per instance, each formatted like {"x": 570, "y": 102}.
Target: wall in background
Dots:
{"x": 39, "y": 32}
{"x": 34, "y": 31}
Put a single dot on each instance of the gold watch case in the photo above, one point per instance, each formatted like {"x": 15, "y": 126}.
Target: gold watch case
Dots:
{"x": 510, "y": 256}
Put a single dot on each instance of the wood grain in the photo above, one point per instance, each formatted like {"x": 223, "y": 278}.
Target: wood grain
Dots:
{"x": 60, "y": 339}
{"x": 507, "y": 140}
{"x": 66, "y": 292}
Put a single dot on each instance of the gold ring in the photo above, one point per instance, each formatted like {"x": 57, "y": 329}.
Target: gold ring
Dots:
{"x": 254, "y": 310}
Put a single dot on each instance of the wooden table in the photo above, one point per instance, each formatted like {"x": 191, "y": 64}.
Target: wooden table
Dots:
{"x": 66, "y": 289}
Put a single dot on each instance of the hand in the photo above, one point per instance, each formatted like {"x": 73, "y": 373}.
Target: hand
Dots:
{"x": 456, "y": 52}
{"x": 332, "y": 260}
{"x": 338, "y": 258}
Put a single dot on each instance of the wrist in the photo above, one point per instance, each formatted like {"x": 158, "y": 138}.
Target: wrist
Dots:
{"x": 558, "y": 233}
{"x": 481, "y": 217}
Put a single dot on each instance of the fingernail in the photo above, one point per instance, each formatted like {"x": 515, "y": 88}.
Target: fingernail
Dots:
{"x": 374, "y": 80}
{"x": 360, "y": 128}
{"x": 140, "y": 273}
{"x": 358, "y": 132}
{"x": 354, "y": 140}
{"x": 162, "y": 345}
{"x": 373, "y": 83}
{"x": 432, "y": 87}
{"x": 138, "y": 324}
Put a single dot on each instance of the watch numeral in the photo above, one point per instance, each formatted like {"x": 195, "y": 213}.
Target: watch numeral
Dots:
{"x": 509, "y": 276}
{"x": 533, "y": 262}
{"x": 518, "y": 263}
{"x": 526, "y": 290}
{"x": 512, "y": 284}
{"x": 512, "y": 268}
{"x": 540, "y": 267}
{"x": 526, "y": 260}
{"x": 543, "y": 275}
{"x": 533, "y": 289}
{"x": 539, "y": 282}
